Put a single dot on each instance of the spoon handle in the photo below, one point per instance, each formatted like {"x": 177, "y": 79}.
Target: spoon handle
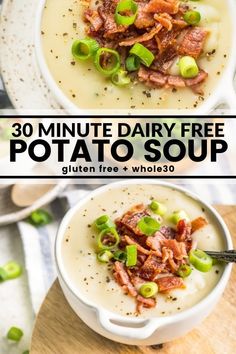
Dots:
{"x": 224, "y": 256}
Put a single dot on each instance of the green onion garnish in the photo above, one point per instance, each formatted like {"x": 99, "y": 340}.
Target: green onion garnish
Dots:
{"x": 120, "y": 256}
{"x": 12, "y": 270}
{"x": 188, "y": 67}
{"x": 177, "y": 216}
{"x": 158, "y": 208}
{"x": 107, "y": 61}
{"x": 184, "y": 271}
{"x": 108, "y": 239}
{"x": 148, "y": 289}
{"x": 192, "y": 17}
{"x": 26, "y": 352}
{"x": 39, "y": 217}
{"x": 120, "y": 78}
{"x": 200, "y": 260}
{"x": 3, "y": 274}
{"x": 83, "y": 49}
{"x": 132, "y": 63}
{"x": 124, "y": 7}
{"x": 148, "y": 226}
{"x": 103, "y": 222}
{"x": 145, "y": 55}
{"x": 104, "y": 256}
{"x": 15, "y": 334}
{"x": 131, "y": 251}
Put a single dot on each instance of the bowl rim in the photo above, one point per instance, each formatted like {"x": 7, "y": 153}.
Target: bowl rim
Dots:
{"x": 215, "y": 98}
{"x": 64, "y": 276}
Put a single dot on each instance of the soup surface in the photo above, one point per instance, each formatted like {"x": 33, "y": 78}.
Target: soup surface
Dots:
{"x": 95, "y": 280}
{"x": 62, "y": 23}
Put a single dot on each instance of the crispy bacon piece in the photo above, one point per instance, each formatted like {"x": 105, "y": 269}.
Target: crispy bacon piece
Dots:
{"x": 143, "y": 302}
{"x": 143, "y": 38}
{"x": 143, "y": 19}
{"x": 156, "y": 79}
{"x": 165, "y": 284}
{"x": 193, "y": 42}
{"x": 167, "y": 256}
{"x": 130, "y": 219}
{"x": 131, "y": 241}
{"x": 169, "y": 6}
{"x": 183, "y": 231}
{"x": 165, "y": 20}
{"x": 178, "y": 248}
{"x": 167, "y": 231}
{"x": 123, "y": 279}
{"x": 111, "y": 28}
{"x": 198, "y": 224}
{"x": 94, "y": 18}
{"x": 151, "y": 267}
{"x": 154, "y": 242}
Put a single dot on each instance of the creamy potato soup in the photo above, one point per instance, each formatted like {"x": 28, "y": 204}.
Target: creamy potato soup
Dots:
{"x": 62, "y": 23}
{"x": 95, "y": 279}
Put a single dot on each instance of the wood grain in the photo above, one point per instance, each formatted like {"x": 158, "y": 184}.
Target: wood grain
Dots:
{"x": 59, "y": 331}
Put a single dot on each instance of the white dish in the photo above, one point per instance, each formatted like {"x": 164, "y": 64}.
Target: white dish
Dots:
{"x": 133, "y": 330}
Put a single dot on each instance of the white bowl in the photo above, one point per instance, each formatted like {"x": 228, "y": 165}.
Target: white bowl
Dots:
{"x": 223, "y": 93}
{"x": 136, "y": 331}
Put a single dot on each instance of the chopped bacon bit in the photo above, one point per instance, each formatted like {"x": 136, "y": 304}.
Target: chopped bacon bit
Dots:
{"x": 122, "y": 278}
{"x": 165, "y": 20}
{"x": 183, "y": 231}
{"x": 94, "y": 18}
{"x": 143, "y": 20}
{"x": 198, "y": 224}
{"x": 151, "y": 268}
{"x": 193, "y": 42}
{"x": 143, "y": 38}
{"x": 178, "y": 248}
{"x": 154, "y": 242}
{"x": 165, "y": 284}
{"x": 168, "y": 6}
{"x": 157, "y": 79}
{"x": 141, "y": 249}
{"x": 130, "y": 219}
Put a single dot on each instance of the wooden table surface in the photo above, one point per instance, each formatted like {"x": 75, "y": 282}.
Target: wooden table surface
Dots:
{"x": 59, "y": 331}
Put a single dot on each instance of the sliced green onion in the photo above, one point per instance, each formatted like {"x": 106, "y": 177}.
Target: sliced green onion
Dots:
{"x": 15, "y": 334}
{"x": 200, "y": 260}
{"x": 123, "y": 7}
{"x": 184, "y": 271}
{"x": 192, "y": 17}
{"x": 39, "y": 217}
{"x": 144, "y": 54}
{"x": 120, "y": 78}
{"x": 104, "y": 256}
{"x": 148, "y": 289}
{"x": 158, "y": 208}
{"x": 179, "y": 215}
{"x": 111, "y": 60}
{"x": 148, "y": 225}
{"x": 120, "y": 256}
{"x": 108, "y": 239}
{"x": 103, "y": 222}
{"x": 188, "y": 67}
{"x": 26, "y": 352}
{"x": 12, "y": 270}
{"x": 132, "y": 63}
{"x": 3, "y": 274}
{"x": 131, "y": 251}
{"x": 83, "y": 49}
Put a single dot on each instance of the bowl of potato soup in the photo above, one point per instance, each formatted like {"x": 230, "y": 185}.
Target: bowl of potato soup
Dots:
{"x": 173, "y": 55}
{"x": 133, "y": 263}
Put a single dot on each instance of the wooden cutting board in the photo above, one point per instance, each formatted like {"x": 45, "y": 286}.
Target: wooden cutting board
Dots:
{"x": 59, "y": 331}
